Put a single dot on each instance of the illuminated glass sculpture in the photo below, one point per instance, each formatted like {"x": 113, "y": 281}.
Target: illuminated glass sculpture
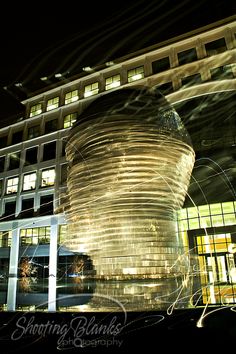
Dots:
{"x": 130, "y": 162}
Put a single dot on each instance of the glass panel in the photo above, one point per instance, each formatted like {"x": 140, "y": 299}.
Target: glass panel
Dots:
{"x": 228, "y": 207}
{"x": 217, "y": 220}
{"x": 192, "y": 212}
{"x": 193, "y": 224}
{"x": 229, "y": 219}
{"x": 204, "y": 210}
{"x": 215, "y": 209}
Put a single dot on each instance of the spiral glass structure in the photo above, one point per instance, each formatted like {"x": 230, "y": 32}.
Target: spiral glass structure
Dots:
{"x": 130, "y": 161}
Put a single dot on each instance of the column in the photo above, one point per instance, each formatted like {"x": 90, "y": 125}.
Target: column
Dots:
{"x": 13, "y": 268}
{"x": 52, "y": 280}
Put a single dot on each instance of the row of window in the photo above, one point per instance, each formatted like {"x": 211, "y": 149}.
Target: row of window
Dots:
{"x": 137, "y": 73}
{"x": 27, "y": 208}
{"x": 219, "y": 73}
{"x": 35, "y": 130}
{"x": 205, "y": 216}
{"x": 29, "y": 181}
{"x": 31, "y": 236}
{"x": 29, "y": 156}
{"x": 47, "y": 179}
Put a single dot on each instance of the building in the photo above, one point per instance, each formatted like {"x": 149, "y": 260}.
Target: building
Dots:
{"x": 196, "y": 72}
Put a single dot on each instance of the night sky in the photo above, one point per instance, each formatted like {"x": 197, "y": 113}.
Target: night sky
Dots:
{"x": 45, "y": 40}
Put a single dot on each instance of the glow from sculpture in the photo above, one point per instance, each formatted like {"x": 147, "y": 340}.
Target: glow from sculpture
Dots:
{"x": 130, "y": 162}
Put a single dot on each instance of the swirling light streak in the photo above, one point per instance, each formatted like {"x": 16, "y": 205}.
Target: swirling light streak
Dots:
{"x": 130, "y": 162}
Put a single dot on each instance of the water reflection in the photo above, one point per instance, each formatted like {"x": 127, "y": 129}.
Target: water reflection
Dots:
{"x": 78, "y": 294}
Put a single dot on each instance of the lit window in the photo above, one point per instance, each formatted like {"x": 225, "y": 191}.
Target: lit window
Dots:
{"x": 112, "y": 82}
{"x": 216, "y": 209}
{"x": 193, "y": 224}
{"x": 62, "y": 233}
{"x": 229, "y": 219}
{"x": 53, "y": 103}
{"x": 48, "y": 177}
{"x": 136, "y": 74}
{"x": 228, "y": 207}
{"x": 35, "y": 110}
{"x": 5, "y": 238}
{"x": 192, "y": 212}
{"x": 71, "y": 96}
{"x": 35, "y": 236}
{"x": 70, "y": 119}
{"x": 29, "y": 181}
{"x": 12, "y": 185}
{"x": 91, "y": 90}
{"x": 204, "y": 210}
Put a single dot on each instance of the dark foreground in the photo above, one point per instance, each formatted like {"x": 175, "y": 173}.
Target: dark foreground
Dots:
{"x": 156, "y": 332}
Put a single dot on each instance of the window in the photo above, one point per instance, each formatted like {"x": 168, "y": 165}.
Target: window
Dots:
{"x": 31, "y": 156}
{"x": 33, "y": 132}
{"x": 112, "y": 82}
{"x": 12, "y": 185}
{"x": 5, "y": 238}
{"x": 215, "y": 47}
{"x": 14, "y": 160}
{"x": 136, "y": 74}
{"x": 1, "y": 186}
{"x": 187, "y": 56}
{"x": 27, "y": 208}
{"x": 2, "y": 163}
{"x": 63, "y": 173}
{"x": 222, "y": 73}
{"x": 165, "y": 88}
{"x": 46, "y": 205}
{"x": 90, "y": 90}
{"x": 3, "y": 141}
{"x": 35, "y": 110}
{"x": 52, "y": 103}
{"x": 191, "y": 80}
{"x": 49, "y": 151}
{"x": 17, "y": 137}
{"x": 10, "y": 209}
{"x": 51, "y": 126}
{"x": 48, "y": 177}
{"x": 29, "y": 181}
{"x": 35, "y": 236}
{"x": 71, "y": 97}
{"x": 70, "y": 119}
{"x": 160, "y": 65}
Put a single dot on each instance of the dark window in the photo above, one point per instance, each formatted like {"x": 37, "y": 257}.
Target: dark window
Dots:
{"x": 51, "y": 126}
{"x": 215, "y": 47}
{"x": 27, "y": 209}
{"x": 165, "y": 88}
{"x": 17, "y": 137}
{"x": 14, "y": 161}
{"x": 10, "y": 208}
{"x": 191, "y": 80}
{"x": 31, "y": 156}
{"x": 63, "y": 152}
{"x": 2, "y": 163}
{"x": 1, "y": 186}
{"x": 187, "y": 56}
{"x": 160, "y": 65}
{"x": 3, "y": 141}
{"x": 46, "y": 205}
{"x": 222, "y": 73}
{"x": 33, "y": 132}
{"x": 63, "y": 173}
{"x": 49, "y": 151}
